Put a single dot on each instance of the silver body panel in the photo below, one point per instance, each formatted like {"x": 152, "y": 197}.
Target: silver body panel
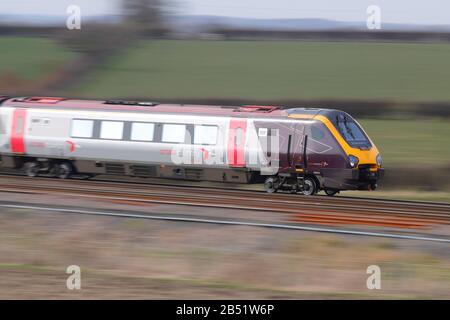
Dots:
{"x": 49, "y": 137}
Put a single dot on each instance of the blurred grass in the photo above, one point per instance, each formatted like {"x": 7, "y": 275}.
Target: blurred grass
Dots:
{"x": 31, "y": 58}
{"x": 167, "y": 260}
{"x": 274, "y": 70}
{"x": 410, "y": 142}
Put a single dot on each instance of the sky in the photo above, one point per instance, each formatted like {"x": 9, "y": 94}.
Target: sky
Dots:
{"x": 432, "y": 12}
{"x": 57, "y": 7}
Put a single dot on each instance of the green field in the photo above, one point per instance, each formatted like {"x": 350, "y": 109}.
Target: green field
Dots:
{"x": 31, "y": 58}
{"x": 411, "y": 142}
{"x": 267, "y": 70}
{"x": 262, "y": 70}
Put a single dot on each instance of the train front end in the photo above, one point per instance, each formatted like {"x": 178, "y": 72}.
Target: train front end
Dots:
{"x": 364, "y": 163}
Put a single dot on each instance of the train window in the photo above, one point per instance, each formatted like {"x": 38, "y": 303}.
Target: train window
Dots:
{"x": 82, "y": 128}
{"x": 204, "y": 134}
{"x": 111, "y": 130}
{"x": 174, "y": 133}
{"x": 141, "y": 131}
{"x": 351, "y": 132}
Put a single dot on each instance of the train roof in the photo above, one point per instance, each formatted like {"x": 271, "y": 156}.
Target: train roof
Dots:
{"x": 245, "y": 111}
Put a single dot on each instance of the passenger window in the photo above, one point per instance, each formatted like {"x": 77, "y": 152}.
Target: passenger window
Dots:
{"x": 141, "y": 131}
{"x": 174, "y": 133}
{"x": 82, "y": 128}
{"x": 111, "y": 130}
{"x": 204, "y": 134}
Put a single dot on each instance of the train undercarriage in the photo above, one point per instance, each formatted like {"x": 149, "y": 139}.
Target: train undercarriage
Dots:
{"x": 306, "y": 184}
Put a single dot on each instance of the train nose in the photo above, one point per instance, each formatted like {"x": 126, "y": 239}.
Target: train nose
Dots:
{"x": 370, "y": 175}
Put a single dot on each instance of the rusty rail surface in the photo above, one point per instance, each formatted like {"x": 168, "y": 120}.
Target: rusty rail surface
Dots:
{"x": 337, "y": 211}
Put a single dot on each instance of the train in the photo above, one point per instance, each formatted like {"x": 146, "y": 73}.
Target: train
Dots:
{"x": 297, "y": 150}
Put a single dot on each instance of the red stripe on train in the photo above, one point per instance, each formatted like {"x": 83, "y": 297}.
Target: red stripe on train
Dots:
{"x": 18, "y": 131}
{"x": 236, "y": 142}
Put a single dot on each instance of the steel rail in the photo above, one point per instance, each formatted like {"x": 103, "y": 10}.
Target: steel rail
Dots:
{"x": 157, "y": 190}
{"x": 280, "y": 198}
{"x": 206, "y": 200}
{"x": 227, "y": 222}
{"x": 167, "y": 185}
{"x": 308, "y": 210}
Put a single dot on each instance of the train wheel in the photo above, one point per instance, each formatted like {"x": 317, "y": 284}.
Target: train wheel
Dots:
{"x": 64, "y": 170}
{"x": 310, "y": 187}
{"x": 53, "y": 172}
{"x": 331, "y": 192}
{"x": 32, "y": 169}
{"x": 271, "y": 185}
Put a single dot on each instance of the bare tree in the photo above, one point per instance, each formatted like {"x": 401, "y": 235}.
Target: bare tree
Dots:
{"x": 141, "y": 18}
{"x": 146, "y": 15}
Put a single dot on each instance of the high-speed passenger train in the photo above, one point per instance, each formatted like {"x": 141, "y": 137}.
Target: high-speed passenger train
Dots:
{"x": 300, "y": 150}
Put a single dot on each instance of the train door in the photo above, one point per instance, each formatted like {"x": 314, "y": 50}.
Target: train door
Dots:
{"x": 18, "y": 131}
{"x": 236, "y": 142}
{"x": 270, "y": 152}
{"x": 297, "y": 147}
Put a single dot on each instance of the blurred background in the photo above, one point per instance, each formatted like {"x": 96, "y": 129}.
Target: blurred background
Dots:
{"x": 395, "y": 79}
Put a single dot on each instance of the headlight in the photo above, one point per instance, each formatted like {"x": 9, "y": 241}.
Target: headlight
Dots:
{"x": 379, "y": 160}
{"x": 353, "y": 161}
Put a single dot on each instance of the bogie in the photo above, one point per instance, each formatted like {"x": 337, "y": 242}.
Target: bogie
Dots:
{"x": 32, "y": 168}
{"x": 271, "y": 184}
{"x": 64, "y": 170}
{"x": 48, "y": 167}
{"x": 309, "y": 186}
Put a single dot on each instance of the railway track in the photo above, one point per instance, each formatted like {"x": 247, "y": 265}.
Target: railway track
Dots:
{"x": 60, "y": 210}
{"x": 285, "y": 208}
